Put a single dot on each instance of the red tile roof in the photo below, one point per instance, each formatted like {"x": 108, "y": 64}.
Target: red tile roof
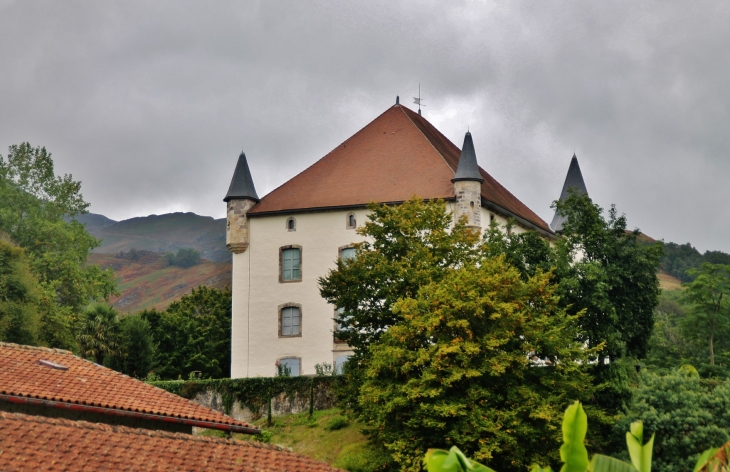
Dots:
{"x": 37, "y": 443}
{"x": 28, "y": 375}
{"x": 398, "y": 155}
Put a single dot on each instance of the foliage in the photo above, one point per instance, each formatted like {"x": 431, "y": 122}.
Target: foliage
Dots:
{"x": 98, "y": 333}
{"x": 193, "y": 334}
{"x": 709, "y": 294}
{"x": 36, "y": 212}
{"x": 481, "y": 359}
{"x": 362, "y": 457}
{"x": 324, "y": 369}
{"x": 337, "y": 422}
{"x": 19, "y": 297}
{"x": 184, "y": 258}
{"x": 138, "y": 351}
{"x": 680, "y": 258}
{"x": 686, "y": 413}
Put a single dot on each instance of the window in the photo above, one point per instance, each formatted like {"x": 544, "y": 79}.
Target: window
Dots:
{"x": 290, "y": 264}
{"x": 347, "y": 253}
{"x": 291, "y": 224}
{"x": 292, "y": 364}
{"x": 290, "y": 320}
{"x": 338, "y": 327}
{"x": 340, "y": 362}
{"x": 351, "y": 222}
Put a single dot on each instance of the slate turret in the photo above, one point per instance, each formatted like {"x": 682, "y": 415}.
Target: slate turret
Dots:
{"x": 468, "y": 185}
{"x": 240, "y": 198}
{"x": 574, "y": 180}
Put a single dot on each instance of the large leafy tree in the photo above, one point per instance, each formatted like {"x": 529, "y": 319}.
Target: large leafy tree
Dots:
{"x": 193, "y": 334}
{"x": 709, "y": 296}
{"x": 36, "y": 211}
{"x": 98, "y": 333}
{"x": 481, "y": 359}
{"x": 20, "y": 295}
{"x": 138, "y": 351}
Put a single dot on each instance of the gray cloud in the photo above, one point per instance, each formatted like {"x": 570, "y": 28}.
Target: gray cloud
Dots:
{"x": 149, "y": 103}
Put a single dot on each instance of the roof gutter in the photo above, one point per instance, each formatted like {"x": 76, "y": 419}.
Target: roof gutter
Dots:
{"x": 493, "y": 206}
{"x": 127, "y": 414}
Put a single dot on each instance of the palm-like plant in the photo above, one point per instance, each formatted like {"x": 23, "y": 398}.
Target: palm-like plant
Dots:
{"x": 98, "y": 333}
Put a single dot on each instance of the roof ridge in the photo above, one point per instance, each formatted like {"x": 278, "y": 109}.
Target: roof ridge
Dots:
{"x": 426, "y": 138}
{"x": 81, "y": 424}
{"x": 36, "y": 348}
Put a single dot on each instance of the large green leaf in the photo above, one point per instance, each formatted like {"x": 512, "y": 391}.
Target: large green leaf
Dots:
{"x": 438, "y": 460}
{"x": 537, "y": 468}
{"x": 601, "y": 463}
{"x": 640, "y": 453}
{"x": 573, "y": 452}
{"x": 705, "y": 457}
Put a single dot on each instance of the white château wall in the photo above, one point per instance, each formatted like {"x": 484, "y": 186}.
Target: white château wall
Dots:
{"x": 258, "y": 293}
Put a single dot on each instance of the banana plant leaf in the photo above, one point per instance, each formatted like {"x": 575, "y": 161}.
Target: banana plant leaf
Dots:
{"x": 438, "y": 460}
{"x": 573, "y": 452}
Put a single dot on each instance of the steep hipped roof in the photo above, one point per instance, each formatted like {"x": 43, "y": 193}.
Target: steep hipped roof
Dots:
{"x": 468, "y": 167}
{"x": 574, "y": 180}
{"x": 242, "y": 182}
{"x": 396, "y": 156}
{"x": 62, "y": 380}
{"x": 39, "y": 443}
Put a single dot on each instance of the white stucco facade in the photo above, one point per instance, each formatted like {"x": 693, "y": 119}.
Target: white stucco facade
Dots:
{"x": 259, "y": 294}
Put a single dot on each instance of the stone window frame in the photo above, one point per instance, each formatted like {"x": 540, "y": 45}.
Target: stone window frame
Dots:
{"x": 341, "y": 248}
{"x": 294, "y": 226}
{"x": 347, "y": 220}
{"x": 280, "y": 310}
{"x": 293, "y": 357}
{"x": 281, "y": 264}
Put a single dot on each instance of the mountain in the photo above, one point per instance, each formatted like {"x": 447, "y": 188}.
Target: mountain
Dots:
{"x": 160, "y": 233}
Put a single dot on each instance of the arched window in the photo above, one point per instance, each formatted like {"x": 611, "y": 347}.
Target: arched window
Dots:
{"x": 291, "y": 224}
{"x": 290, "y": 264}
{"x": 290, "y": 320}
{"x": 290, "y": 365}
{"x": 351, "y": 222}
{"x": 347, "y": 252}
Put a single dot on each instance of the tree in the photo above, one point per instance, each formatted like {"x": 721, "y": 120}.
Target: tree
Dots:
{"x": 98, "y": 333}
{"x": 194, "y": 333}
{"x": 688, "y": 415}
{"x": 709, "y": 294}
{"x": 138, "y": 352}
{"x": 184, "y": 258}
{"x": 36, "y": 211}
{"x": 19, "y": 296}
{"x": 481, "y": 359}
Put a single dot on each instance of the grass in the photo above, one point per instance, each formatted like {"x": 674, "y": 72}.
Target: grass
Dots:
{"x": 327, "y": 437}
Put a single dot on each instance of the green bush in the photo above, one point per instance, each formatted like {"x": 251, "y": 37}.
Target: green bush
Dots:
{"x": 362, "y": 457}
{"x": 338, "y": 422}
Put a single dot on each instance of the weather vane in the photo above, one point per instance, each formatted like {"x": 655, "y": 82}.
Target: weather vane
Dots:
{"x": 419, "y": 100}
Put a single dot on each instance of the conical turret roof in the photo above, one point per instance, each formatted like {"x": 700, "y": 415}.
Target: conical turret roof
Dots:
{"x": 468, "y": 168}
{"x": 242, "y": 182}
{"x": 574, "y": 180}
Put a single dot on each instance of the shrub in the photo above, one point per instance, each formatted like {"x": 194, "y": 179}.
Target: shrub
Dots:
{"x": 338, "y": 422}
{"x": 362, "y": 458}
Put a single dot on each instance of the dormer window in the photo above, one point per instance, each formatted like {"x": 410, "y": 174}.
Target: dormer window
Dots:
{"x": 291, "y": 224}
{"x": 351, "y": 222}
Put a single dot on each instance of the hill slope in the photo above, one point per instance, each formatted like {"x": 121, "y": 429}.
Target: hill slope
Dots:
{"x": 149, "y": 282}
{"x": 160, "y": 233}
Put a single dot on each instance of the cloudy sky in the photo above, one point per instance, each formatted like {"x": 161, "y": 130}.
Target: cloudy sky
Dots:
{"x": 149, "y": 103}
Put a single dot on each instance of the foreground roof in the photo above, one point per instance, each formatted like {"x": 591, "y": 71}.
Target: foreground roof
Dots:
{"x": 40, "y": 443}
{"x": 574, "y": 181}
{"x": 396, "y": 156}
{"x": 57, "y": 378}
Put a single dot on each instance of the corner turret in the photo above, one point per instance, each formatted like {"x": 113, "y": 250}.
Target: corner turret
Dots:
{"x": 574, "y": 180}
{"x": 468, "y": 185}
{"x": 240, "y": 198}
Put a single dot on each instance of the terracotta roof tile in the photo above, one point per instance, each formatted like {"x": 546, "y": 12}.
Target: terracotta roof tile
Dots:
{"x": 35, "y": 443}
{"x": 396, "y": 156}
{"x": 22, "y": 375}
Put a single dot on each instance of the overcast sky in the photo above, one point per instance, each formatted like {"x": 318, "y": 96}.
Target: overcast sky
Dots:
{"x": 149, "y": 103}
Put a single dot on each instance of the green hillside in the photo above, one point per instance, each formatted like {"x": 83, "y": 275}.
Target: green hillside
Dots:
{"x": 160, "y": 233}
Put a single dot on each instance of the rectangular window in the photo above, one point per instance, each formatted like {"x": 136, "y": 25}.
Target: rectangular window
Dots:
{"x": 291, "y": 264}
{"x": 291, "y": 321}
{"x": 348, "y": 253}
{"x": 292, "y": 364}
